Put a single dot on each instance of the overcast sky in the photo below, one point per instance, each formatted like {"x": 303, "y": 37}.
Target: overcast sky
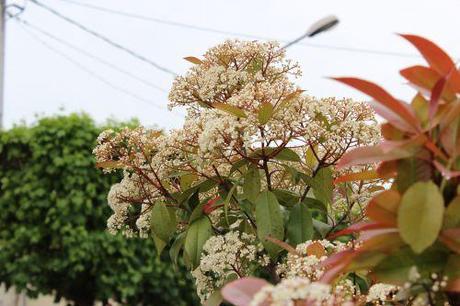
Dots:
{"x": 39, "y": 81}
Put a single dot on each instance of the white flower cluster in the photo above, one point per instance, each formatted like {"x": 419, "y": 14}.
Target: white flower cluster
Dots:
{"x": 234, "y": 254}
{"x": 380, "y": 293}
{"x": 306, "y": 264}
{"x": 291, "y": 291}
{"x": 241, "y": 73}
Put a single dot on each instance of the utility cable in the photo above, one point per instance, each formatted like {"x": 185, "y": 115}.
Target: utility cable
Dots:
{"x": 90, "y": 55}
{"x": 104, "y": 38}
{"x": 92, "y": 73}
{"x": 239, "y": 34}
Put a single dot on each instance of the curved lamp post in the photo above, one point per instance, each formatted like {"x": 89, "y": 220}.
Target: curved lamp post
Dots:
{"x": 320, "y": 26}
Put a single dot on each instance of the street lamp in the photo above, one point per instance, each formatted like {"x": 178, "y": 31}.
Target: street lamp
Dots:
{"x": 320, "y": 26}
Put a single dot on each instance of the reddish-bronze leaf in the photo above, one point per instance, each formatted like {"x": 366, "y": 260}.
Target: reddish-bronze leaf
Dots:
{"x": 387, "y": 169}
{"x": 336, "y": 263}
{"x": 385, "y": 151}
{"x": 357, "y": 176}
{"x": 435, "y": 96}
{"x": 434, "y": 55}
{"x": 193, "y": 60}
{"x": 388, "y": 105}
{"x": 383, "y": 208}
{"x": 241, "y": 291}
{"x": 316, "y": 249}
{"x": 390, "y": 132}
{"x": 439, "y": 60}
{"x": 384, "y": 242}
{"x": 358, "y": 227}
{"x": 426, "y": 78}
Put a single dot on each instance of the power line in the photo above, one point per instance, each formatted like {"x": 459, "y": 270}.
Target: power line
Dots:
{"x": 92, "y": 73}
{"x": 90, "y": 55}
{"x": 104, "y": 38}
{"x": 239, "y": 34}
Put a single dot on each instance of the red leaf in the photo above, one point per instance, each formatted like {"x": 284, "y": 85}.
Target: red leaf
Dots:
{"x": 388, "y": 104}
{"x": 336, "y": 263}
{"x": 439, "y": 60}
{"x": 426, "y": 78}
{"x": 448, "y": 174}
{"x": 435, "y": 56}
{"x": 435, "y": 96}
{"x": 385, "y": 151}
{"x": 451, "y": 238}
{"x": 387, "y": 169}
{"x": 385, "y": 241}
{"x": 210, "y": 206}
{"x": 358, "y": 227}
{"x": 241, "y": 291}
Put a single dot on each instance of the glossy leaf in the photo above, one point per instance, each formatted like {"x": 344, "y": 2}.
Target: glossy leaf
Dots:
{"x": 300, "y": 224}
{"x": 434, "y": 55}
{"x": 388, "y": 106}
{"x": 287, "y": 155}
{"x": 265, "y": 113}
{"x": 452, "y": 214}
{"x": 420, "y": 215}
{"x": 426, "y": 78}
{"x": 357, "y": 227}
{"x": 163, "y": 221}
{"x": 251, "y": 184}
{"x": 385, "y": 151}
{"x": 323, "y": 185}
{"x": 160, "y": 244}
{"x": 230, "y": 109}
{"x": 197, "y": 234}
{"x": 269, "y": 219}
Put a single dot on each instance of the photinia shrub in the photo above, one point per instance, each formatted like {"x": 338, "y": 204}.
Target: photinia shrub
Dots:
{"x": 246, "y": 186}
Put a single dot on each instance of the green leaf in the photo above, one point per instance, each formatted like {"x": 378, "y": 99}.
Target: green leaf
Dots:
{"x": 300, "y": 225}
{"x": 289, "y": 99}
{"x": 215, "y": 299}
{"x": 230, "y": 109}
{"x": 287, "y": 155}
{"x": 239, "y": 164}
{"x": 395, "y": 267}
{"x": 452, "y": 215}
{"x": 315, "y": 204}
{"x": 269, "y": 219}
{"x": 321, "y": 228}
{"x": 159, "y": 244}
{"x": 286, "y": 197}
{"x": 197, "y": 234}
{"x": 176, "y": 247}
{"x": 420, "y": 215}
{"x": 163, "y": 221}
{"x": 410, "y": 171}
{"x": 265, "y": 113}
{"x": 251, "y": 184}
{"x": 323, "y": 185}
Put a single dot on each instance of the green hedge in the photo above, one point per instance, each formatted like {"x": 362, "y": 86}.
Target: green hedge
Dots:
{"x": 53, "y": 217}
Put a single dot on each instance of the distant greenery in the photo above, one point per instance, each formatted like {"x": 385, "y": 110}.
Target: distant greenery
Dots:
{"x": 53, "y": 217}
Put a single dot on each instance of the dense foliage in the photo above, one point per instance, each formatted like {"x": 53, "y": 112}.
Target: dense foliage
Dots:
{"x": 245, "y": 188}
{"x": 410, "y": 238}
{"x": 52, "y": 235}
